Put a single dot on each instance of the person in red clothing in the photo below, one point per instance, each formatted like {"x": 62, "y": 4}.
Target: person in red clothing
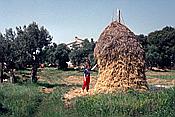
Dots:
{"x": 86, "y": 78}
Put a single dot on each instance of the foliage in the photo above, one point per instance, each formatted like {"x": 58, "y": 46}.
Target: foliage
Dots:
{"x": 159, "y": 47}
{"x": 79, "y": 54}
{"x": 61, "y": 55}
{"x": 31, "y": 39}
{"x": 25, "y": 47}
{"x": 57, "y": 54}
{"x": 2, "y": 48}
{"x": 49, "y": 56}
{"x": 21, "y": 47}
{"x": 7, "y": 52}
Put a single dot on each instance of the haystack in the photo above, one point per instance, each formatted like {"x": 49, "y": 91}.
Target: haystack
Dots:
{"x": 120, "y": 58}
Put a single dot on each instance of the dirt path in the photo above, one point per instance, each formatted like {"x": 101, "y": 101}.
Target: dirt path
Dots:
{"x": 73, "y": 93}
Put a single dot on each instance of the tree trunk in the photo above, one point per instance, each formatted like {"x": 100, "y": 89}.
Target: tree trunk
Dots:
{"x": 34, "y": 69}
{"x": 12, "y": 76}
{"x": 34, "y": 72}
{"x": 2, "y": 68}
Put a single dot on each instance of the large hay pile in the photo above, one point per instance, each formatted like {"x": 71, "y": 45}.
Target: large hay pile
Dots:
{"x": 120, "y": 58}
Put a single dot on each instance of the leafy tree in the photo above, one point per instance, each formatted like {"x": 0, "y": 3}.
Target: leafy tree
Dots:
{"x": 143, "y": 40}
{"x": 57, "y": 55}
{"x": 7, "y": 52}
{"x": 91, "y": 54}
{"x": 50, "y": 54}
{"x": 76, "y": 56}
{"x": 62, "y": 55}
{"x": 79, "y": 54}
{"x": 36, "y": 39}
{"x": 10, "y": 53}
{"x": 152, "y": 56}
{"x": 31, "y": 41}
{"x": 2, "y": 54}
{"x": 160, "y": 47}
{"x": 25, "y": 47}
{"x": 164, "y": 40}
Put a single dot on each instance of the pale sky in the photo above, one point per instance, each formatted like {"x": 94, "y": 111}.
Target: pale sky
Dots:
{"x": 65, "y": 19}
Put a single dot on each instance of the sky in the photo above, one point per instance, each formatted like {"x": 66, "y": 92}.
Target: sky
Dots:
{"x": 65, "y": 19}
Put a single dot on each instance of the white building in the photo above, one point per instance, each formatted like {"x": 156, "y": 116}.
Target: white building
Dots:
{"x": 77, "y": 42}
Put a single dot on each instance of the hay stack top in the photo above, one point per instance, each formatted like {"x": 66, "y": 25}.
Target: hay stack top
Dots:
{"x": 116, "y": 40}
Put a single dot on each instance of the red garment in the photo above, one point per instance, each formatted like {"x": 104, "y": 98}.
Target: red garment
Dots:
{"x": 86, "y": 83}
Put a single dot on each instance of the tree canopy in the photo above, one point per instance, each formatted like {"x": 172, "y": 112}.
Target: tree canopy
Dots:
{"x": 78, "y": 55}
{"x": 159, "y": 47}
{"x": 25, "y": 46}
{"x": 57, "y": 55}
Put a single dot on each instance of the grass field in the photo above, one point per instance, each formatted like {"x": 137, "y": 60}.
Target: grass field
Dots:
{"x": 162, "y": 75}
{"x": 25, "y": 99}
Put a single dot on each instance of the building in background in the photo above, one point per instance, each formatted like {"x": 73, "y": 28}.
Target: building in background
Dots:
{"x": 77, "y": 43}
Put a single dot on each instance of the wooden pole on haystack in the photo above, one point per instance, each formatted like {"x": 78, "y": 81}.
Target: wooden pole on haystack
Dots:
{"x": 119, "y": 18}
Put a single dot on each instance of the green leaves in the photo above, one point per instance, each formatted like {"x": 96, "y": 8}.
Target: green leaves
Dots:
{"x": 28, "y": 40}
{"x": 79, "y": 54}
{"x": 159, "y": 47}
{"x": 57, "y": 54}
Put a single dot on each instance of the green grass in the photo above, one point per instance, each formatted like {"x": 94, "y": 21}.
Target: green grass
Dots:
{"x": 162, "y": 77}
{"x": 25, "y": 100}
{"x": 131, "y": 104}
{"x": 19, "y": 101}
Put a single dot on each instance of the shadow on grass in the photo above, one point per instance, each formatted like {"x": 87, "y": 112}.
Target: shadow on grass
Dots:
{"x": 49, "y": 85}
{"x": 3, "y": 110}
{"x": 160, "y": 70}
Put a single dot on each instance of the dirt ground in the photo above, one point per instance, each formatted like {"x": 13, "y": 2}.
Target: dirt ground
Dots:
{"x": 77, "y": 92}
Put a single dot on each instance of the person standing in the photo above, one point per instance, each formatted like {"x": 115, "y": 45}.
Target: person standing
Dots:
{"x": 86, "y": 78}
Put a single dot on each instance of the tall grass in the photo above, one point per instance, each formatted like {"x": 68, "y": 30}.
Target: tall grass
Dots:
{"x": 27, "y": 101}
{"x": 19, "y": 101}
{"x": 24, "y": 99}
{"x": 131, "y": 104}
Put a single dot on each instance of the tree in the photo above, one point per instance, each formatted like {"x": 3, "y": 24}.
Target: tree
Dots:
{"x": 49, "y": 56}
{"x": 57, "y": 55}
{"x": 143, "y": 40}
{"x": 25, "y": 47}
{"x": 62, "y": 55}
{"x": 31, "y": 41}
{"x": 79, "y": 54}
{"x": 36, "y": 39}
{"x": 23, "y": 58}
{"x": 152, "y": 56}
{"x": 2, "y": 54}
{"x": 10, "y": 53}
{"x": 91, "y": 54}
{"x": 160, "y": 49}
